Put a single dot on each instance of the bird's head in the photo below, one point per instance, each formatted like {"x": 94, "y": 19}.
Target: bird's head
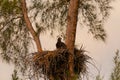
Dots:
{"x": 59, "y": 39}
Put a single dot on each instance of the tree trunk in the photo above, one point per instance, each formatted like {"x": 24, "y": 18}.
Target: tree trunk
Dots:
{"x": 71, "y": 33}
{"x": 30, "y": 27}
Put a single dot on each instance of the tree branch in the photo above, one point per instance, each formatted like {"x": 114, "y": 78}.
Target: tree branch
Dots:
{"x": 30, "y": 27}
{"x": 71, "y": 33}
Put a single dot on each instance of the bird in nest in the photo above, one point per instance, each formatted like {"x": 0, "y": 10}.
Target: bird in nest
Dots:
{"x": 60, "y": 44}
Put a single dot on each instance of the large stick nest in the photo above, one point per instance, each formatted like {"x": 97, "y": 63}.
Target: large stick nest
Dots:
{"x": 54, "y": 64}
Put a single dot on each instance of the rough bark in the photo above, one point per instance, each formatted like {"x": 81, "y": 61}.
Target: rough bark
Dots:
{"x": 30, "y": 27}
{"x": 71, "y": 33}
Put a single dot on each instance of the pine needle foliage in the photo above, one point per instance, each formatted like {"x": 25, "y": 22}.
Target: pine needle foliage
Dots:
{"x": 98, "y": 77}
{"x": 92, "y": 13}
{"x": 115, "y": 75}
{"x": 14, "y": 36}
{"x": 14, "y": 75}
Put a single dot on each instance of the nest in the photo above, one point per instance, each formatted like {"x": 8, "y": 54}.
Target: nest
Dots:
{"x": 54, "y": 64}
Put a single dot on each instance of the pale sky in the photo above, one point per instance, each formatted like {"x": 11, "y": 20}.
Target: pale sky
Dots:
{"x": 101, "y": 52}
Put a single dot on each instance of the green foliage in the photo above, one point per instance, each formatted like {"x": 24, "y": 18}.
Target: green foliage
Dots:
{"x": 10, "y": 7}
{"x": 115, "y": 75}
{"x": 14, "y": 36}
{"x": 98, "y": 77}
{"x": 92, "y": 13}
{"x": 52, "y": 15}
{"x": 14, "y": 75}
